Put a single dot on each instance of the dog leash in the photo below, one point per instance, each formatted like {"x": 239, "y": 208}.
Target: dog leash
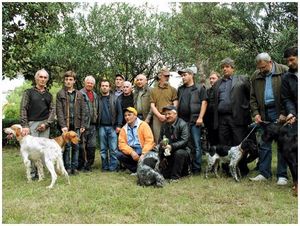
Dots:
{"x": 254, "y": 127}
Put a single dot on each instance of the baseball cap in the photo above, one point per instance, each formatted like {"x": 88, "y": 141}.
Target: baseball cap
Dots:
{"x": 186, "y": 70}
{"x": 169, "y": 108}
{"x": 130, "y": 109}
{"x": 120, "y": 75}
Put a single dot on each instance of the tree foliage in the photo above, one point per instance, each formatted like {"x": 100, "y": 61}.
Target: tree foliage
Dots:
{"x": 105, "y": 39}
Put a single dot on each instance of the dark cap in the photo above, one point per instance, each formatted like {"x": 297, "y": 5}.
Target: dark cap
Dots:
{"x": 186, "y": 70}
{"x": 169, "y": 108}
{"x": 120, "y": 75}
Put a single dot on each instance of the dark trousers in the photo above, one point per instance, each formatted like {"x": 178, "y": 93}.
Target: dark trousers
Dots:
{"x": 127, "y": 161}
{"x": 177, "y": 165}
{"x": 232, "y": 135}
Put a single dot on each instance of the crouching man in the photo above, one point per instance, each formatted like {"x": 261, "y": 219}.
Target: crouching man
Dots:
{"x": 173, "y": 146}
{"x": 135, "y": 140}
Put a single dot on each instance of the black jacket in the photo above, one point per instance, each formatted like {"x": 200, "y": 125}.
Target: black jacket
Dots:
{"x": 197, "y": 95}
{"x": 177, "y": 133}
{"x": 240, "y": 100}
{"x": 289, "y": 93}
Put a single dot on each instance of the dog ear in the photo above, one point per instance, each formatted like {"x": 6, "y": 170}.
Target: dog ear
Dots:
{"x": 18, "y": 132}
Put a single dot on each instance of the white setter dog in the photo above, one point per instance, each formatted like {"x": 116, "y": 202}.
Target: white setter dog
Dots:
{"x": 41, "y": 151}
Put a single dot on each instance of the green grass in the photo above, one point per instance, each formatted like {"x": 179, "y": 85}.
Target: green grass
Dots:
{"x": 101, "y": 198}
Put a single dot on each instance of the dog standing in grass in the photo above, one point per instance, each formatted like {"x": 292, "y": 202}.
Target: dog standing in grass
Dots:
{"x": 41, "y": 151}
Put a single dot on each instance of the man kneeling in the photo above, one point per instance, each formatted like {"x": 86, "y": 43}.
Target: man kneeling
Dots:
{"x": 173, "y": 146}
{"x": 135, "y": 140}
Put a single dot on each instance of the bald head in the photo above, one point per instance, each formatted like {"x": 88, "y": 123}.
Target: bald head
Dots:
{"x": 140, "y": 80}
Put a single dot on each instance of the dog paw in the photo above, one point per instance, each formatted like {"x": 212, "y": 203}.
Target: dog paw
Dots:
{"x": 49, "y": 187}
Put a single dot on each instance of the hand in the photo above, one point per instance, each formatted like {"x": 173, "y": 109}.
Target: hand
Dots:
{"x": 291, "y": 119}
{"x": 64, "y": 130}
{"x": 142, "y": 157}
{"x": 41, "y": 128}
{"x": 162, "y": 118}
{"x": 282, "y": 118}
{"x": 25, "y": 131}
{"x": 118, "y": 130}
{"x": 82, "y": 130}
{"x": 257, "y": 119}
{"x": 199, "y": 122}
{"x": 134, "y": 156}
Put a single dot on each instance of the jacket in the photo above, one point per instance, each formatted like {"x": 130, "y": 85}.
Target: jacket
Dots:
{"x": 177, "y": 133}
{"x": 145, "y": 137}
{"x": 145, "y": 102}
{"x": 62, "y": 109}
{"x": 289, "y": 93}
{"x": 239, "y": 96}
{"x": 92, "y": 108}
{"x": 197, "y": 95}
{"x": 258, "y": 82}
{"x": 115, "y": 108}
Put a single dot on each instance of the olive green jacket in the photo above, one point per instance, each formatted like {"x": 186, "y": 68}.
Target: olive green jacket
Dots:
{"x": 257, "y": 92}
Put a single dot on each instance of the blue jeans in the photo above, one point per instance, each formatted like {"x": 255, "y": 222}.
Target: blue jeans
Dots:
{"x": 197, "y": 155}
{"x": 108, "y": 148}
{"x": 265, "y": 152}
{"x": 127, "y": 161}
{"x": 71, "y": 162}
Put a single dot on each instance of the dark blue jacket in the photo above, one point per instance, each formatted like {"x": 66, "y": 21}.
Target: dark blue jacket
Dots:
{"x": 289, "y": 93}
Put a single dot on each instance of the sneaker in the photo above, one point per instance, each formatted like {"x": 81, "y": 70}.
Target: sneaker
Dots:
{"x": 282, "y": 181}
{"x": 259, "y": 177}
{"x": 133, "y": 174}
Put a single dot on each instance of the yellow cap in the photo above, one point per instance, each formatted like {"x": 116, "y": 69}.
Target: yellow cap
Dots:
{"x": 131, "y": 109}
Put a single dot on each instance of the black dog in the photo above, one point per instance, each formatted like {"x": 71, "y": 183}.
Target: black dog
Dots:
{"x": 287, "y": 141}
{"x": 148, "y": 172}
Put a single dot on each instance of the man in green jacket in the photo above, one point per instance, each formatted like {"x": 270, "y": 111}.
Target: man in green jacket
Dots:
{"x": 265, "y": 106}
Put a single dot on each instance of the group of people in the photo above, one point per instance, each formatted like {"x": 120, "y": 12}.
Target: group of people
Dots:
{"x": 133, "y": 119}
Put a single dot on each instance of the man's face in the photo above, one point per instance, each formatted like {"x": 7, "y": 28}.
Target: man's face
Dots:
{"x": 186, "y": 78}
{"x": 140, "y": 81}
{"x": 227, "y": 70}
{"x": 129, "y": 117}
{"x": 42, "y": 79}
{"x": 127, "y": 89}
{"x": 105, "y": 87}
{"x": 264, "y": 67}
{"x": 164, "y": 76}
{"x": 212, "y": 79}
{"x": 119, "y": 81}
{"x": 292, "y": 62}
{"x": 171, "y": 116}
{"x": 69, "y": 82}
{"x": 89, "y": 85}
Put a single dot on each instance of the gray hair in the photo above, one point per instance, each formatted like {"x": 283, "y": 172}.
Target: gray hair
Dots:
{"x": 40, "y": 71}
{"x": 127, "y": 83}
{"x": 141, "y": 75}
{"x": 262, "y": 57}
{"x": 228, "y": 61}
{"x": 90, "y": 78}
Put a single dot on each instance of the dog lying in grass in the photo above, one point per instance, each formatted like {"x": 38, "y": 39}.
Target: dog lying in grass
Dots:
{"x": 231, "y": 155}
{"x": 148, "y": 171}
{"x": 287, "y": 140}
{"x": 41, "y": 151}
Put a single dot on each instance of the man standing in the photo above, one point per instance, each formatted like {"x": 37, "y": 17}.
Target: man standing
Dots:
{"x": 126, "y": 98}
{"x": 174, "y": 154}
{"x": 119, "y": 80}
{"x": 135, "y": 140}
{"x": 161, "y": 96}
{"x": 88, "y": 138}
{"x": 141, "y": 97}
{"x": 192, "y": 103}
{"x": 231, "y": 108}
{"x": 71, "y": 114}
{"x": 209, "y": 115}
{"x": 110, "y": 123}
{"x": 266, "y": 106}
{"x": 37, "y": 109}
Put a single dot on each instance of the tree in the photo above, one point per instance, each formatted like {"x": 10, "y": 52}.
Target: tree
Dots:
{"x": 25, "y": 27}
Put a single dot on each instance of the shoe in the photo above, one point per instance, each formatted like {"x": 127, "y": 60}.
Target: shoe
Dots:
{"x": 133, "y": 174}
{"x": 282, "y": 181}
{"x": 69, "y": 171}
{"x": 74, "y": 172}
{"x": 259, "y": 177}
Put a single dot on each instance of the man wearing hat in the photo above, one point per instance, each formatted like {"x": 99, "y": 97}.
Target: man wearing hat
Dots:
{"x": 119, "y": 80}
{"x": 174, "y": 163}
{"x": 192, "y": 103}
{"x": 135, "y": 140}
{"x": 232, "y": 108}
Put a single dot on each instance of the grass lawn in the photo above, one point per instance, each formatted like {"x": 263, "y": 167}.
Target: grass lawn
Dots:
{"x": 102, "y": 198}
